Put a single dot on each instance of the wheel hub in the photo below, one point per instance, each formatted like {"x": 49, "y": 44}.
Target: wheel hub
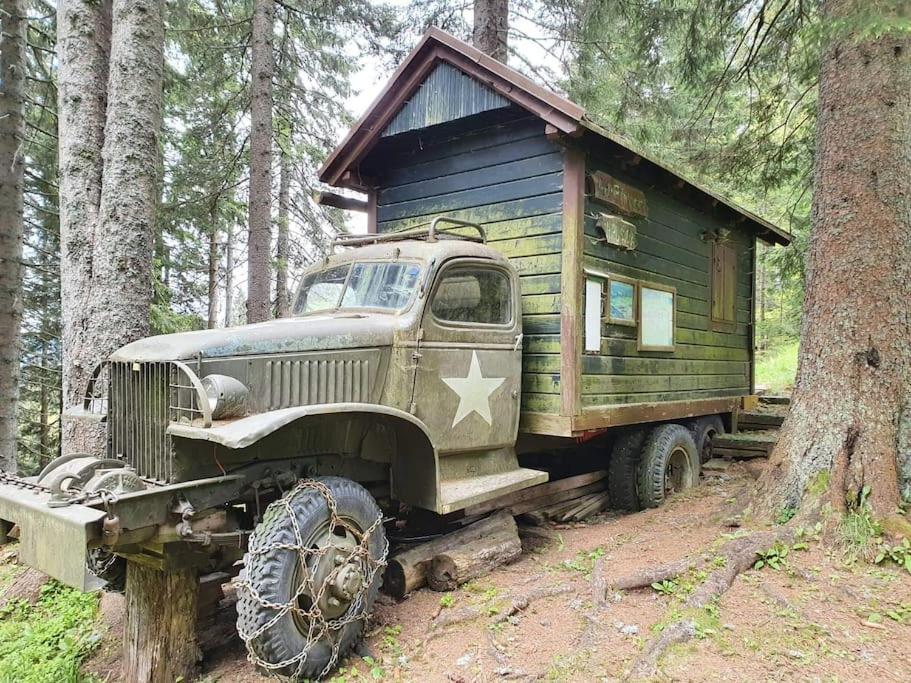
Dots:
{"x": 338, "y": 577}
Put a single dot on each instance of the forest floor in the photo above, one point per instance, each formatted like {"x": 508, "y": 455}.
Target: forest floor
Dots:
{"x": 820, "y": 616}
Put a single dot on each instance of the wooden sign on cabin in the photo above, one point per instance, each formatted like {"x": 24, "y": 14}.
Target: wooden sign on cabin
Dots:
{"x": 617, "y": 232}
{"x": 625, "y": 198}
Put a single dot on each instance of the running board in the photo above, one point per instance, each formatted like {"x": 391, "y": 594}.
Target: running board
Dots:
{"x": 457, "y": 494}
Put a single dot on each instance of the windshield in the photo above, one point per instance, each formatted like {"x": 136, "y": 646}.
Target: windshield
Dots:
{"x": 386, "y": 286}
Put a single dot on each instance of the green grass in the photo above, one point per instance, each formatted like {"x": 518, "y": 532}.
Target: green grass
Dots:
{"x": 776, "y": 368}
{"x": 47, "y": 641}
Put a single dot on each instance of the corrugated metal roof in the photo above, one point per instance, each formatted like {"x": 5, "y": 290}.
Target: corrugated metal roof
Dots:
{"x": 445, "y": 95}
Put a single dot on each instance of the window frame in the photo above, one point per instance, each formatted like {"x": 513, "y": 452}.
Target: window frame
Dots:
{"x": 640, "y": 346}
{"x": 458, "y": 264}
{"x": 607, "y": 303}
{"x": 600, "y": 281}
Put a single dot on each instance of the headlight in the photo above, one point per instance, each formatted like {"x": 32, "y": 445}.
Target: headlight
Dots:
{"x": 227, "y": 396}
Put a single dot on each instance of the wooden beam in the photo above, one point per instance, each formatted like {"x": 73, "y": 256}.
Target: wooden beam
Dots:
{"x": 571, "y": 280}
{"x": 637, "y": 413}
{"x": 371, "y": 212}
{"x": 339, "y": 201}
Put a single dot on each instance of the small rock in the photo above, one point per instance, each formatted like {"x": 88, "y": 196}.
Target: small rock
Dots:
{"x": 403, "y": 661}
{"x": 795, "y": 654}
{"x": 464, "y": 660}
{"x": 544, "y": 622}
{"x": 618, "y": 597}
{"x": 630, "y": 630}
{"x": 514, "y": 620}
{"x": 728, "y": 627}
{"x": 576, "y": 604}
{"x": 618, "y": 625}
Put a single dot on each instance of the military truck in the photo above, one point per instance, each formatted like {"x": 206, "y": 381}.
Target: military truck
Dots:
{"x": 531, "y": 289}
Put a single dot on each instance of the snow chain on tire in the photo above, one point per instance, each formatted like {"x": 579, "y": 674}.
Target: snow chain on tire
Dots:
{"x": 319, "y": 627}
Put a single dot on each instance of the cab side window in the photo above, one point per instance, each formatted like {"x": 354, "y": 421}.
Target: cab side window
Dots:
{"x": 472, "y": 294}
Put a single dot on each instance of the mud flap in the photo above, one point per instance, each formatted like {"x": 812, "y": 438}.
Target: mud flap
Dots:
{"x": 52, "y": 540}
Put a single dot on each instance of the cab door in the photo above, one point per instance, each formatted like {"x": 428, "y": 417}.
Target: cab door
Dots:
{"x": 469, "y": 368}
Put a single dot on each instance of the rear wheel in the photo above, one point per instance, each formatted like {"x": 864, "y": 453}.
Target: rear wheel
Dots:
{"x": 622, "y": 472}
{"x": 669, "y": 464}
{"x": 311, "y": 577}
{"x": 704, "y": 430}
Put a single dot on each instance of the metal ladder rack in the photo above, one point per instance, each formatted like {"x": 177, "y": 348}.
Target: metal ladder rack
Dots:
{"x": 431, "y": 234}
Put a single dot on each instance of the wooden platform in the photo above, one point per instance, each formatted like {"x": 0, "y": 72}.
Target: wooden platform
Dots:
{"x": 752, "y": 421}
{"x": 744, "y": 445}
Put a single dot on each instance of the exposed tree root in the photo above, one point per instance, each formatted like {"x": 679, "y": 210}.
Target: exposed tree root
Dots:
{"x": 602, "y": 585}
{"x": 518, "y": 603}
{"x": 739, "y": 554}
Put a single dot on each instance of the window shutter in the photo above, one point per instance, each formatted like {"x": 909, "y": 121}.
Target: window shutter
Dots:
{"x": 724, "y": 283}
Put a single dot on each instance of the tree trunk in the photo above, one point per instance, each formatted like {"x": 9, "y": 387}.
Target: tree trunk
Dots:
{"x": 282, "y": 304}
{"x": 852, "y": 394}
{"x": 12, "y": 137}
{"x": 259, "y": 203}
{"x": 121, "y": 296}
{"x": 83, "y": 47}
{"x": 491, "y": 28}
{"x": 229, "y": 275}
{"x": 212, "y": 289}
{"x": 159, "y": 634}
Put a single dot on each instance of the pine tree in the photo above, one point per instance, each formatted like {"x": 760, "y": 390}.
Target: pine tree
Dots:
{"x": 12, "y": 159}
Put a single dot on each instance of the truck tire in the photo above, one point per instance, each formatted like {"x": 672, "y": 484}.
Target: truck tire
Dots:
{"x": 272, "y": 576}
{"x": 704, "y": 430}
{"x": 622, "y": 471}
{"x": 669, "y": 463}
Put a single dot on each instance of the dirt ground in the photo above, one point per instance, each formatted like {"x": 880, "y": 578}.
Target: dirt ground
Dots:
{"x": 818, "y": 618}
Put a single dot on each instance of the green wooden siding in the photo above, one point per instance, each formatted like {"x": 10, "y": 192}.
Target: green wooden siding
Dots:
{"x": 670, "y": 251}
{"x": 508, "y": 178}
{"x": 445, "y": 95}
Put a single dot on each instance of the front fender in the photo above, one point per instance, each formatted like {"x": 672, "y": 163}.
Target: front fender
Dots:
{"x": 415, "y": 477}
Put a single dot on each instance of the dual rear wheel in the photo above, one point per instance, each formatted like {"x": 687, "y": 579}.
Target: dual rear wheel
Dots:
{"x": 649, "y": 464}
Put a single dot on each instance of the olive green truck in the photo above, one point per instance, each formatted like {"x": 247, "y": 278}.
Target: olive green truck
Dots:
{"x": 529, "y": 284}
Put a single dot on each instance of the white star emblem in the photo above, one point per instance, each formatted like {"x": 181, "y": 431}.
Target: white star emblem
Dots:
{"x": 474, "y": 392}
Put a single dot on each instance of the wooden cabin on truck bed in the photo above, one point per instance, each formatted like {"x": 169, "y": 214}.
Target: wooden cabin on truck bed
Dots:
{"x": 637, "y": 283}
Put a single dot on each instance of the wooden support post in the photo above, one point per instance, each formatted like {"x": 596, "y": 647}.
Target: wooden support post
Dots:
{"x": 159, "y": 633}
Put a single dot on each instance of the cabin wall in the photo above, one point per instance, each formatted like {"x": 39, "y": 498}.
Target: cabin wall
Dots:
{"x": 706, "y": 362}
{"x": 508, "y": 178}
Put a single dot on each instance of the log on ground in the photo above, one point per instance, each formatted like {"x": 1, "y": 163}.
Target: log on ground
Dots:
{"x": 477, "y": 558}
{"x": 407, "y": 571}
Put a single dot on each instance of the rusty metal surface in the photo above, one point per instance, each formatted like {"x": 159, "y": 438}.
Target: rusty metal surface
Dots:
{"x": 52, "y": 539}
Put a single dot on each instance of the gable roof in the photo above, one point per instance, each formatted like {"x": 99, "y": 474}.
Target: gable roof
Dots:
{"x": 398, "y": 108}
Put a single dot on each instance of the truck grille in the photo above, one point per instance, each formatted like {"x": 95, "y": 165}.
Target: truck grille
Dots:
{"x": 308, "y": 382}
{"x": 140, "y": 402}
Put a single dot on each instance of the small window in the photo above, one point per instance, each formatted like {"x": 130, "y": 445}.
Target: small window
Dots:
{"x": 724, "y": 283}
{"x": 621, "y": 301}
{"x": 593, "y": 312}
{"x": 473, "y": 295}
{"x": 656, "y": 317}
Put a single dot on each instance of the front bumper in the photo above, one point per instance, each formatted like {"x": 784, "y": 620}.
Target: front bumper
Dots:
{"x": 52, "y": 540}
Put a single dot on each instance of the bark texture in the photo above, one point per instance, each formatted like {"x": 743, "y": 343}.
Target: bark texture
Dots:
{"x": 282, "y": 244}
{"x": 12, "y": 134}
{"x": 159, "y": 635}
{"x": 121, "y": 268}
{"x": 259, "y": 203}
{"x": 852, "y": 391}
{"x": 83, "y": 48}
{"x": 491, "y": 28}
{"x": 229, "y": 276}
